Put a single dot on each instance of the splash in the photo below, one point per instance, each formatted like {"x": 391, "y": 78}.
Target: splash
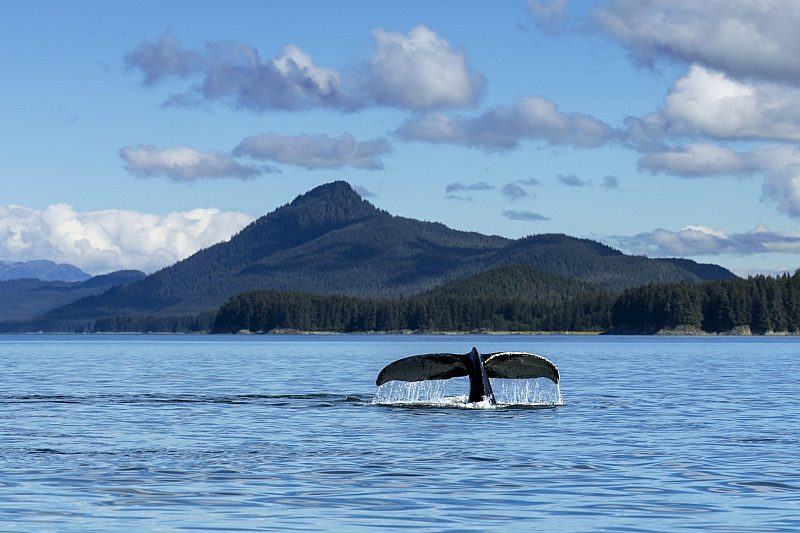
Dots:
{"x": 450, "y": 393}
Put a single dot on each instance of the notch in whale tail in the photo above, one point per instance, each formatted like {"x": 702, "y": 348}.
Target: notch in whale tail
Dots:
{"x": 479, "y": 367}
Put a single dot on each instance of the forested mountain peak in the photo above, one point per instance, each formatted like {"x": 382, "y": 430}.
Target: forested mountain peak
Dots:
{"x": 332, "y": 241}
{"x": 327, "y": 206}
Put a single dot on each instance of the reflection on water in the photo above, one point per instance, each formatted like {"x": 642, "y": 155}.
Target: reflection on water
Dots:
{"x": 451, "y": 393}
{"x": 280, "y": 433}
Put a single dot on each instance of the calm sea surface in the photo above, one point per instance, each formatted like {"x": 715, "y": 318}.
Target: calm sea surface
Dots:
{"x": 162, "y": 433}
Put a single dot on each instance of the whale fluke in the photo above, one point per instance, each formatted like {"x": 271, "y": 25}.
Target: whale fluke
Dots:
{"x": 519, "y": 365}
{"x": 479, "y": 368}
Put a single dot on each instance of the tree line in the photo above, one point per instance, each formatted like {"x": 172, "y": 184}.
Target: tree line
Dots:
{"x": 499, "y": 302}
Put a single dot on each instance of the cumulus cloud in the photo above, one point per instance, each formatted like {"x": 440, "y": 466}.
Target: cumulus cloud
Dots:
{"x": 315, "y": 151}
{"x": 743, "y": 38}
{"x": 513, "y": 192}
{"x": 529, "y": 216}
{"x": 419, "y": 70}
{"x": 503, "y": 128}
{"x": 457, "y": 186}
{"x": 236, "y": 72}
{"x": 611, "y": 182}
{"x": 572, "y": 180}
{"x": 182, "y": 163}
{"x": 694, "y": 240}
{"x": 113, "y": 239}
{"x": 781, "y": 167}
{"x": 696, "y": 160}
{"x": 708, "y": 102}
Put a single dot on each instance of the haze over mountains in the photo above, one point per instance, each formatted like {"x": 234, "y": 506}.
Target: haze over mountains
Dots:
{"x": 332, "y": 241}
{"x": 42, "y": 270}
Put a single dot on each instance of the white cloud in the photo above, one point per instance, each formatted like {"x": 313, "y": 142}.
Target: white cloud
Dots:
{"x": 781, "y": 167}
{"x": 707, "y": 102}
{"x": 502, "y": 128}
{"x": 419, "y": 70}
{"x": 696, "y": 160}
{"x": 113, "y": 239}
{"x": 743, "y": 38}
{"x": 697, "y": 240}
{"x": 315, "y": 151}
{"x": 182, "y": 163}
{"x": 235, "y": 72}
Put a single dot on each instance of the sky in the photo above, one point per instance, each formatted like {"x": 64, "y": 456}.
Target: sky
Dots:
{"x": 133, "y": 134}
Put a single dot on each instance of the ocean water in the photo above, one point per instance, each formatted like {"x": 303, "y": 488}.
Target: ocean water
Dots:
{"x": 260, "y": 433}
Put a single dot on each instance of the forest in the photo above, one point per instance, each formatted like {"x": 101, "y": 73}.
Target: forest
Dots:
{"x": 518, "y": 298}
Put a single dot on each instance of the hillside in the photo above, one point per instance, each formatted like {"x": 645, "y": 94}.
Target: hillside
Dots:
{"x": 332, "y": 241}
{"x": 512, "y": 297}
{"x": 27, "y": 298}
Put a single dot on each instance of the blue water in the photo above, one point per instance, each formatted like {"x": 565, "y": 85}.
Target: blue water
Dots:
{"x": 162, "y": 433}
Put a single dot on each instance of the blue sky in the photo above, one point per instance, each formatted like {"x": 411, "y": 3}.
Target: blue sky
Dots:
{"x": 134, "y": 134}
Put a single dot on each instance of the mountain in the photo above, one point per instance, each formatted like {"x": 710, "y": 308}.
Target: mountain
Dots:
{"x": 332, "y": 241}
{"x": 27, "y": 298}
{"x": 42, "y": 270}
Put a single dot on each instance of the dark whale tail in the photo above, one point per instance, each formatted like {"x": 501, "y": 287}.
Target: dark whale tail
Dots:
{"x": 479, "y": 368}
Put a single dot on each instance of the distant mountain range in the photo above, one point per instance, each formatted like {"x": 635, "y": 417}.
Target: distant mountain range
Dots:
{"x": 332, "y": 241}
{"x": 26, "y": 298}
{"x": 42, "y": 270}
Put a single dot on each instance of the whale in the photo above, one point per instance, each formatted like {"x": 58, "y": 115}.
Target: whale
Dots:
{"x": 478, "y": 367}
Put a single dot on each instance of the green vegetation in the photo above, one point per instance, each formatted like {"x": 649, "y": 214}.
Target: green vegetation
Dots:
{"x": 519, "y": 298}
{"x": 512, "y": 298}
{"x": 760, "y": 303}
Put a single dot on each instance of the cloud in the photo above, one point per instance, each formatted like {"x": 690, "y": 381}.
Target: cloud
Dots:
{"x": 163, "y": 58}
{"x": 707, "y": 102}
{"x": 315, "y": 151}
{"x": 529, "y": 216}
{"x": 611, "y": 182}
{"x": 458, "y": 198}
{"x": 503, "y": 128}
{"x": 530, "y": 182}
{"x": 513, "y": 192}
{"x": 477, "y": 186}
{"x": 547, "y": 13}
{"x": 113, "y": 239}
{"x": 743, "y": 38}
{"x": 694, "y": 240}
{"x": 419, "y": 70}
{"x": 235, "y": 72}
{"x": 781, "y": 167}
{"x": 696, "y": 160}
{"x": 182, "y": 163}
{"x": 573, "y": 181}
{"x": 364, "y": 192}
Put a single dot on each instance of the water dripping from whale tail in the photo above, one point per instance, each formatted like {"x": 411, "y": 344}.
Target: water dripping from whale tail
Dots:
{"x": 415, "y": 372}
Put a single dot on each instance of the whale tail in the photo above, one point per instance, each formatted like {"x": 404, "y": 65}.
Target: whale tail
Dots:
{"x": 479, "y": 367}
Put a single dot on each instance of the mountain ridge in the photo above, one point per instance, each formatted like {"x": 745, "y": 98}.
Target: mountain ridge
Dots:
{"x": 332, "y": 241}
